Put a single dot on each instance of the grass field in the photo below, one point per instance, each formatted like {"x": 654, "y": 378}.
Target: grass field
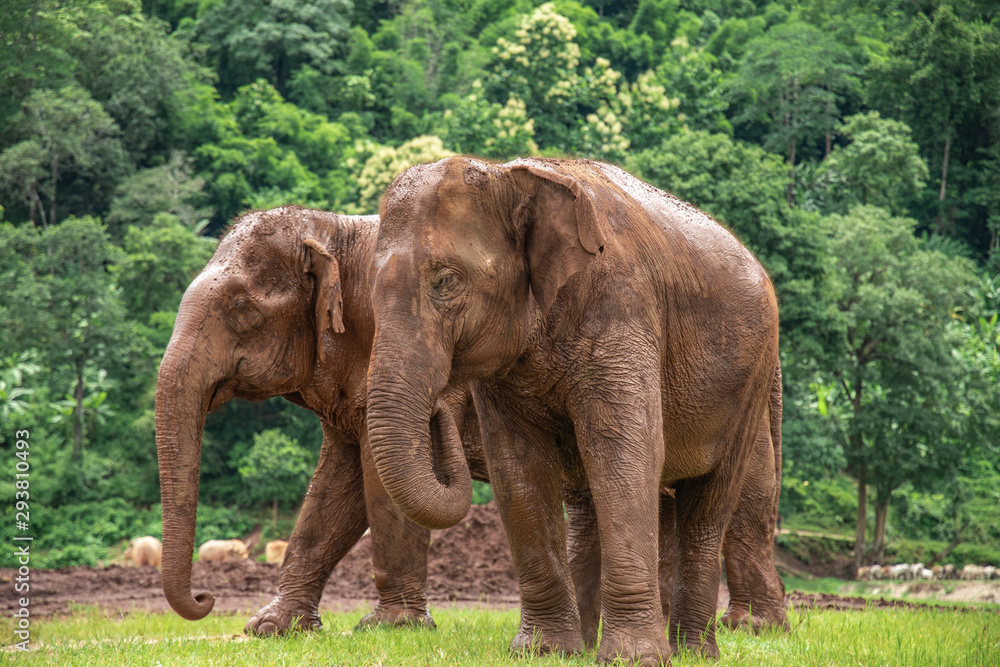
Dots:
{"x": 480, "y": 637}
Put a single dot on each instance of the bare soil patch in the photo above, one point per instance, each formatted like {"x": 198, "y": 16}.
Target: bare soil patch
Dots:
{"x": 469, "y": 565}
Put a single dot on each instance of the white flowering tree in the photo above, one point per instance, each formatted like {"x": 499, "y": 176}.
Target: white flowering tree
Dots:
{"x": 575, "y": 109}
{"x": 387, "y": 162}
{"x": 476, "y": 125}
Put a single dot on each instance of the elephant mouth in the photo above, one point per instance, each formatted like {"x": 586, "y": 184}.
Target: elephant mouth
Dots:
{"x": 221, "y": 394}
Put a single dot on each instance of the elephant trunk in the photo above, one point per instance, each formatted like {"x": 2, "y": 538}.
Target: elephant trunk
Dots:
{"x": 183, "y": 391}
{"x": 414, "y": 438}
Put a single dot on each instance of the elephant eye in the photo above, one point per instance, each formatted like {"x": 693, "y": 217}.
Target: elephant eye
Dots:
{"x": 445, "y": 283}
{"x": 244, "y": 316}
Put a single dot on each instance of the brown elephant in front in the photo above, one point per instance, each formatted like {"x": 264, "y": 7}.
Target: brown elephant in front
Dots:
{"x": 611, "y": 334}
{"x": 240, "y": 333}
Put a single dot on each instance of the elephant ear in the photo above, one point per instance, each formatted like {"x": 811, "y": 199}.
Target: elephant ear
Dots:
{"x": 566, "y": 231}
{"x": 329, "y": 298}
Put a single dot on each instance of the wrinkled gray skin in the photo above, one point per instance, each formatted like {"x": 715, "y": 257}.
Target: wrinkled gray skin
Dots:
{"x": 612, "y": 335}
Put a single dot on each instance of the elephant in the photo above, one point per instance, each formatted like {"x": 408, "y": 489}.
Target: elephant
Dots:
{"x": 219, "y": 551}
{"x": 263, "y": 251}
{"x": 283, "y": 309}
{"x": 145, "y": 551}
{"x": 609, "y": 333}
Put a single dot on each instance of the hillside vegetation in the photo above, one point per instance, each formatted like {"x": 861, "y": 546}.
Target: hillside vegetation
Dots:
{"x": 853, "y": 146}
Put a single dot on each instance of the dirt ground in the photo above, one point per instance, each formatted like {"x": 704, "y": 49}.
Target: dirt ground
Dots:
{"x": 469, "y": 565}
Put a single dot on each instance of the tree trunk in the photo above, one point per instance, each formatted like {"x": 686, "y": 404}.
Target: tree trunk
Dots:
{"x": 862, "y": 519}
{"x": 52, "y": 203}
{"x": 944, "y": 185}
{"x": 78, "y": 421}
{"x": 274, "y": 514}
{"x": 37, "y": 205}
{"x": 790, "y": 192}
{"x": 828, "y": 144}
{"x": 881, "y": 517}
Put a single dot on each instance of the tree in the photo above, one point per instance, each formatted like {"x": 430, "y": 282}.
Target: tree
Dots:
{"x": 987, "y": 195}
{"x": 61, "y": 299}
{"x": 793, "y": 80}
{"x": 939, "y": 79}
{"x": 30, "y": 56}
{"x": 475, "y": 125}
{"x": 276, "y": 469}
{"x": 893, "y": 358}
{"x": 684, "y": 91}
{"x": 265, "y": 151}
{"x": 62, "y": 130}
{"x": 170, "y": 188}
{"x": 135, "y": 71}
{"x": 574, "y": 108}
{"x": 881, "y": 165}
{"x": 159, "y": 263}
{"x": 14, "y": 369}
{"x": 270, "y": 39}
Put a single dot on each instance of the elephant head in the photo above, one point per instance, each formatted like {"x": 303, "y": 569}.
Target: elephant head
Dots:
{"x": 470, "y": 257}
{"x": 251, "y": 325}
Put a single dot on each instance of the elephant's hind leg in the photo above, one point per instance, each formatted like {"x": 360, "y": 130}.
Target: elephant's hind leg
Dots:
{"x": 331, "y": 521}
{"x": 756, "y": 592}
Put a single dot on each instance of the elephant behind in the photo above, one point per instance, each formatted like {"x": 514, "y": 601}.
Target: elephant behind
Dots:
{"x": 283, "y": 309}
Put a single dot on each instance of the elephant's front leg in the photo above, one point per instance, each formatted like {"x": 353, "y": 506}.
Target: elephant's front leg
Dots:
{"x": 620, "y": 437}
{"x": 524, "y": 468}
{"x": 399, "y": 557}
{"x": 331, "y": 521}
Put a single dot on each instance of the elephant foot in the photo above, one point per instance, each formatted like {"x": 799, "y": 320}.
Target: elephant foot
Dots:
{"x": 741, "y": 617}
{"x": 279, "y": 617}
{"x": 535, "y": 641}
{"x": 401, "y": 616}
{"x": 649, "y": 650}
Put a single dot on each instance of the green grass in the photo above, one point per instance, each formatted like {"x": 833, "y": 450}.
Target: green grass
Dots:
{"x": 480, "y": 637}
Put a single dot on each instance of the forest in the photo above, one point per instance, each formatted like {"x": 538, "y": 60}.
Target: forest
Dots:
{"x": 853, "y": 146}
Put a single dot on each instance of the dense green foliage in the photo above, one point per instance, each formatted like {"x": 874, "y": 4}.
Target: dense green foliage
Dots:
{"x": 854, "y": 146}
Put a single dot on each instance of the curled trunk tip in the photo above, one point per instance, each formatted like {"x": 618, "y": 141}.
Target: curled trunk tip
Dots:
{"x": 435, "y": 494}
{"x": 194, "y": 608}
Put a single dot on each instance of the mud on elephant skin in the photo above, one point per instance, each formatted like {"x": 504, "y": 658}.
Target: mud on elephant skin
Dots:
{"x": 283, "y": 309}
{"x": 596, "y": 318}
{"x": 345, "y": 494}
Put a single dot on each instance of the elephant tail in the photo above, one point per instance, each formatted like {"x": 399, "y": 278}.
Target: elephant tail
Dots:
{"x": 775, "y": 410}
